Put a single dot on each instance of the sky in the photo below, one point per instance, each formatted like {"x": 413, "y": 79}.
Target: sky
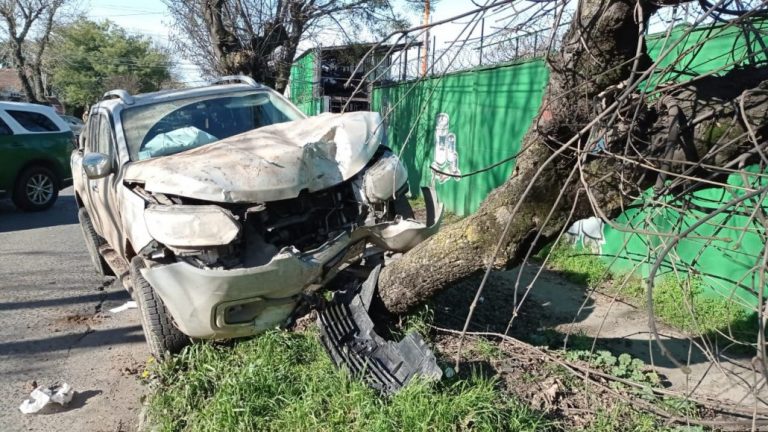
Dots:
{"x": 142, "y": 17}
{"x": 150, "y": 18}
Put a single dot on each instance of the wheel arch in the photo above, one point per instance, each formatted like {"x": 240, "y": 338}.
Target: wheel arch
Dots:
{"x": 129, "y": 251}
{"x": 40, "y": 162}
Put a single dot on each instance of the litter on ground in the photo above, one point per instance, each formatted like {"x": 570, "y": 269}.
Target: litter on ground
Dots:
{"x": 125, "y": 306}
{"x": 42, "y": 396}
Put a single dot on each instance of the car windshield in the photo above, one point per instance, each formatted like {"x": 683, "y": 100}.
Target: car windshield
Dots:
{"x": 170, "y": 127}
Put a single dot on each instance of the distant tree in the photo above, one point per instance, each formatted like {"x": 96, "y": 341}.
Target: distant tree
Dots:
{"x": 260, "y": 38}
{"x": 27, "y": 25}
{"x": 91, "y": 58}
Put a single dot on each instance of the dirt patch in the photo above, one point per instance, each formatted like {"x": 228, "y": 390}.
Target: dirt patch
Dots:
{"x": 77, "y": 319}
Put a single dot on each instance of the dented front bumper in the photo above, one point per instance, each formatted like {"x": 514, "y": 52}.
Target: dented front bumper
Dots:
{"x": 213, "y": 304}
{"x": 227, "y": 303}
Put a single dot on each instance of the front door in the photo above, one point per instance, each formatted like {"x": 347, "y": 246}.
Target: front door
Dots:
{"x": 101, "y": 192}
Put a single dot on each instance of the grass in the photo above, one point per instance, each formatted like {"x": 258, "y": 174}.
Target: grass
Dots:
{"x": 624, "y": 418}
{"x": 285, "y": 381}
{"x": 673, "y": 299}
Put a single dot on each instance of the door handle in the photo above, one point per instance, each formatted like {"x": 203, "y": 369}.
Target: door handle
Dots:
{"x": 16, "y": 144}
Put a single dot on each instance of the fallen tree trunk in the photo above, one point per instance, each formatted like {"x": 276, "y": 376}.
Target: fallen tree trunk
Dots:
{"x": 598, "y": 54}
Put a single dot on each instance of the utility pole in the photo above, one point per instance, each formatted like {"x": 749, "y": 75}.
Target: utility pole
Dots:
{"x": 425, "y": 51}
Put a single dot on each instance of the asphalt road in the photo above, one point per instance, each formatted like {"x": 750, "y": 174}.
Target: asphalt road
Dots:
{"x": 55, "y": 326}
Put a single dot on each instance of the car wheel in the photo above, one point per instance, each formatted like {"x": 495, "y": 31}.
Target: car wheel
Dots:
{"x": 36, "y": 189}
{"x": 162, "y": 335}
{"x": 93, "y": 242}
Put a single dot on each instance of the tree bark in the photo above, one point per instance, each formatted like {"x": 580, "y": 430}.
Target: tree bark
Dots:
{"x": 21, "y": 71}
{"x": 597, "y": 54}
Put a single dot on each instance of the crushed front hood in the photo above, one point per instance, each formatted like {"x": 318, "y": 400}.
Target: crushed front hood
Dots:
{"x": 267, "y": 164}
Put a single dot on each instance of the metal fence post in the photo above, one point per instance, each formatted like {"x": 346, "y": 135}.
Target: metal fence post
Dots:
{"x": 482, "y": 39}
{"x": 434, "y": 43}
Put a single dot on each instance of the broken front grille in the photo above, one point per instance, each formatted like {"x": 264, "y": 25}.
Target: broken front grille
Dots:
{"x": 308, "y": 221}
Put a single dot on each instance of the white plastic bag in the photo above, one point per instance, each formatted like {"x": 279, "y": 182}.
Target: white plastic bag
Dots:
{"x": 42, "y": 396}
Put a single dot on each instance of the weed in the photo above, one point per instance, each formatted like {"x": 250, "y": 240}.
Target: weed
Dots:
{"x": 418, "y": 205}
{"x": 487, "y": 349}
{"x": 420, "y": 322}
{"x": 681, "y": 407}
{"x": 623, "y": 366}
{"x": 578, "y": 267}
{"x": 528, "y": 377}
{"x": 682, "y": 304}
{"x": 625, "y": 418}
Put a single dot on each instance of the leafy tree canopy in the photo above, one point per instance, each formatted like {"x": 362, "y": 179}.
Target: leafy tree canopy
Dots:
{"x": 89, "y": 58}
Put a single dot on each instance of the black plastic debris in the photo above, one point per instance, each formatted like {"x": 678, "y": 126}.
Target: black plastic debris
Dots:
{"x": 347, "y": 332}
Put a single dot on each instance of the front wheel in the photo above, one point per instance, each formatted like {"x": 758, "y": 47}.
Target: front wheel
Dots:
{"x": 162, "y": 336}
{"x": 36, "y": 189}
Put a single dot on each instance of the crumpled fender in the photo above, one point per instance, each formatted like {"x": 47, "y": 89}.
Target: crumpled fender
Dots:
{"x": 404, "y": 234}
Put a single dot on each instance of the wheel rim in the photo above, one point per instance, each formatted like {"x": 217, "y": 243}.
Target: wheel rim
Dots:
{"x": 39, "y": 189}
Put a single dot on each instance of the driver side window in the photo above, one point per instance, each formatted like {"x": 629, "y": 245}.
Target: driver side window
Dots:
{"x": 91, "y": 144}
{"x": 104, "y": 140}
{"x": 100, "y": 135}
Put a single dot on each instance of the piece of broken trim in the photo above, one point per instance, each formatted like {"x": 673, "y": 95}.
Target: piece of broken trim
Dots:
{"x": 347, "y": 332}
{"x": 125, "y": 306}
{"x": 42, "y": 396}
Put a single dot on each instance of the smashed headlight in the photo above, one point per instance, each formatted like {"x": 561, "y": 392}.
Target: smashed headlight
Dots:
{"x": 384, "y": 178}
{"x": 191, "y": 226}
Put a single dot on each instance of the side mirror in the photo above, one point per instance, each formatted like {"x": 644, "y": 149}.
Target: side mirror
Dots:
{"x": 97, "y": 165}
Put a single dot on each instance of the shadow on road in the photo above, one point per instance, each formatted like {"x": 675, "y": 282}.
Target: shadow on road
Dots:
{"x": 96, "y": 297}
{"x": 66, "y": 342}
{"x": 64, "y": 212}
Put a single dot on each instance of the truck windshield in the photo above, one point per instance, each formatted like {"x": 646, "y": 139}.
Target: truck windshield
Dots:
{"x": 170, "y": 127}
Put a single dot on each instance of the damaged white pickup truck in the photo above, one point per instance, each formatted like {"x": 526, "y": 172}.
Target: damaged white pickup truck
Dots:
{"x": 218, "y": 207}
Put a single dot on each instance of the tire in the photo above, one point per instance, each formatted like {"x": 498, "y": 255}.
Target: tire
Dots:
{"x": 36, "y": 189}
{"x": 93, "y": 242}
{"x": 162, "y": 335}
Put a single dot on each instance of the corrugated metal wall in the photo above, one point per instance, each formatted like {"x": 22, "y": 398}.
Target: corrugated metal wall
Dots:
{"x": 462, "y": 122}
{"x": 303, "y": 77}
{"x": 726, "y": 251}
{"x": 707, "y": 49}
